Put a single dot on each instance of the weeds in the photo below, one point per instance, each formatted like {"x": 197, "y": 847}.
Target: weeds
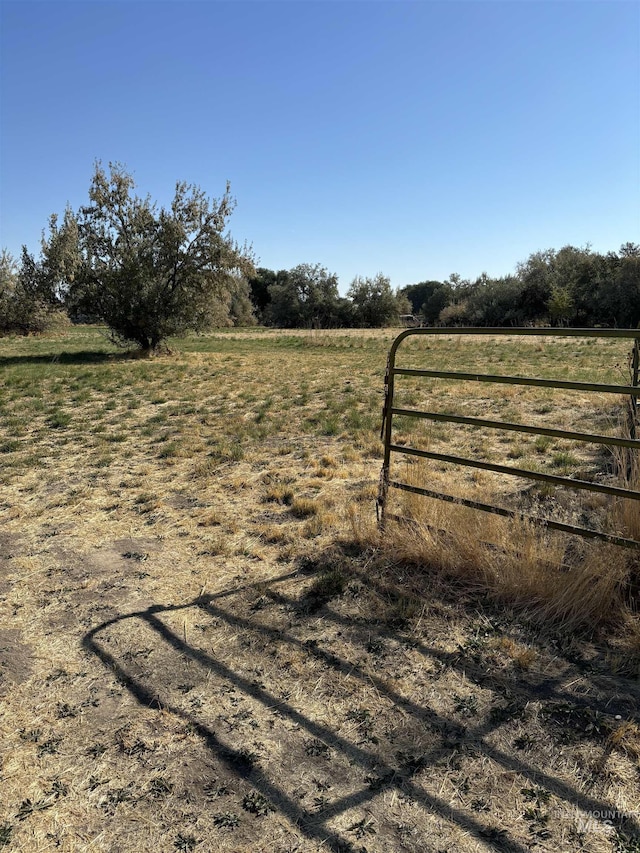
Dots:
{"x": 316, "y": 748}
{"x": 185, "y": 843}
{"x": 277, "y": 650}
{"x": 226, "y": 820}
{"x": 330, "y": 583}
{"x": 29, "y": 807}
{"x": 6, "y": 831}
{"x": 58, "y": 420}
{"x": 160, "y": 787}
{"x": 256, "y": 803}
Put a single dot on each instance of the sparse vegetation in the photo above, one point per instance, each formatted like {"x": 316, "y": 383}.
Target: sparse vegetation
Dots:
{"x": 212, "y": 648}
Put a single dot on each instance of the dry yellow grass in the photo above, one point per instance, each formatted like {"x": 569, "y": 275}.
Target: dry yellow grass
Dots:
{"x": 205, "y": 645}
{"x": 553, "y": 578}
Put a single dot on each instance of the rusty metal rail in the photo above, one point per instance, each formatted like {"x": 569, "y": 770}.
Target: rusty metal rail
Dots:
{"x": 390, "y": 410}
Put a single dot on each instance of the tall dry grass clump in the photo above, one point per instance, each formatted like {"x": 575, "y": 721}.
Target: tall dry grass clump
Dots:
{"x": 625, "y": 515}
{"x": 554, "y": 578}
{"x": 625, "y": 518}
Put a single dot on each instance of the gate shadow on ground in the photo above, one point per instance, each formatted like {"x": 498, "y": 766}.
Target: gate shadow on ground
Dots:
{"x": 389, "y": 776}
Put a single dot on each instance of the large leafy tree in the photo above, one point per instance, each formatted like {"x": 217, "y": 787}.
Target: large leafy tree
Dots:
{"x": 260, "y": 290}
{"x": 18, "y": 312}
{"x": 29, "y": 300}
{"x": 305, "y": 297}
{"x": 149, "y": 273}
{"x": 32, "y": 290}
{"x": 623, "y": 293}
{"x": 428, "y": 298}
{"x": 374, "y": 302}
{"x": 494, "y": 302}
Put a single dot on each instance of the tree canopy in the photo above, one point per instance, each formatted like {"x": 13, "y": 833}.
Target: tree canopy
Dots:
{"x": 374, "y": 302}
{"x": 27, "y": 301}
{"x": 149, "y": 273}
{"x": 428, "y": 298}
{"x": 305, "y": 297}
{"x": 570, "y": 286}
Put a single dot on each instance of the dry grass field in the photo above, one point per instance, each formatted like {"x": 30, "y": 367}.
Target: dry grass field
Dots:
{"x": 205, "y": 644}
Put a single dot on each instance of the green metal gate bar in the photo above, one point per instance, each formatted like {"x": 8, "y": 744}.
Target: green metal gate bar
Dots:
{"x": 518, "y": 380}
{"x": 631, "y": 443}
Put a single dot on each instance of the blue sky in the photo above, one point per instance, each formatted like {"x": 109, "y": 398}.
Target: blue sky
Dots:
{"x": 415, "y": 139}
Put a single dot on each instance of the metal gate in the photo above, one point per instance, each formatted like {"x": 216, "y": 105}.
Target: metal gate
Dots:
{"x": 631, "y": 443}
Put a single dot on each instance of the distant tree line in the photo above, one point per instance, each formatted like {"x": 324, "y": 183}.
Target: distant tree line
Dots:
{"x": 150, "y": 273}
{"x": 569, "y": 287}
{"x": 307, "y": 297}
